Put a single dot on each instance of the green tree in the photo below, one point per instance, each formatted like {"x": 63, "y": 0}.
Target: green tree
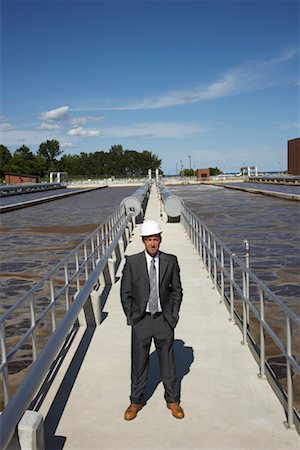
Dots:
{"x": 187, "y": 173}
{"x": 70, "y": 164}
{"x": 23, "y": 161}
{"x": 215, "y": 171}
{"x": 116, "y": 162}
{"x": 49, "y": 151}
{"x": 40, "y": 166}
{"x": 5, "y": 160}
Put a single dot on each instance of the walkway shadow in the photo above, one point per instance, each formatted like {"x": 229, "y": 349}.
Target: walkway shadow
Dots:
{"x": 184, "y": 357}
{"x": 59, "y": 403}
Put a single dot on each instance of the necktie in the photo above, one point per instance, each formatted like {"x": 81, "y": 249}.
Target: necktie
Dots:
{"x": 153, "y": 297}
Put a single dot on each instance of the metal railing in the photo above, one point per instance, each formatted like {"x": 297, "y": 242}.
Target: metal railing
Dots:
{"x": 250, "y": 300}
{"x": 22, "y": 188}
{"x": 55, "y": 303}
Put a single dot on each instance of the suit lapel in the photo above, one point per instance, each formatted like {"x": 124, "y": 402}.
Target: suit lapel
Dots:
{"x": 143, "y": 264}
{"x": 163, "y": 264}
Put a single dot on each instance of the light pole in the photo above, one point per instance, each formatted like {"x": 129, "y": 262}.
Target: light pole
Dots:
{"x": 190, "y": 162}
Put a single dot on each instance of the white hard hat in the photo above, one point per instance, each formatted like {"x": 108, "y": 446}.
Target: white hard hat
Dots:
{"x": 150, "y": 227}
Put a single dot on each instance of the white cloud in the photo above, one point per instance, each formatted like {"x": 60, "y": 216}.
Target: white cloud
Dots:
{"x": 291, "y": 125}
{"x": 5, "y": 125}
{"x": 66, "y": 145}
{"x": 250, "y": 76}
{"x": 27, "y": 137}
{"x": 77, "y": 121}
{"x": 83, "y": 132}
{"x": 154, "y": 130}
{"x": 49, "y": 126}
{"x": 55, "y": 114}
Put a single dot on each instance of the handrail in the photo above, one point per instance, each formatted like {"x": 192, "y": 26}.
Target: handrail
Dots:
{"x": 102, "y": 241}
{"x": 239, "y": 278}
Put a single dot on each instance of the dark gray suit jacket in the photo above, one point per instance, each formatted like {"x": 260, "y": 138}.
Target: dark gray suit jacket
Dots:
{"x": 135, "y": 287}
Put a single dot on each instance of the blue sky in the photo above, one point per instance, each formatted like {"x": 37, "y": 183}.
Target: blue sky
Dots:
{"x": 206, "y": 83}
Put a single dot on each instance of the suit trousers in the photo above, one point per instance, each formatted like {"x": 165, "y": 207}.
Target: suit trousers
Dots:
{"x": 158, "y": 329}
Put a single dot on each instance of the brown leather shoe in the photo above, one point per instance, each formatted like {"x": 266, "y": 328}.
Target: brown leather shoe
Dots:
{"x": 176, "y": 409}
{"x": 132, "y": 411}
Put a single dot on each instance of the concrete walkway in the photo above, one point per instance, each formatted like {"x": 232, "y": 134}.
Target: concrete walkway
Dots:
{"x": 226, "y": 405}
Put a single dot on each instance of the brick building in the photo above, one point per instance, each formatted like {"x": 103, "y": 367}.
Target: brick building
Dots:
{"x": 203, "y": 174}
{"x": 294, "y": 156}
{"x": 13, "y": 178}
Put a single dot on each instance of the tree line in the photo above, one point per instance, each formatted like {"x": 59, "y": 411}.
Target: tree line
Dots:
{"x": 116, "y": 162}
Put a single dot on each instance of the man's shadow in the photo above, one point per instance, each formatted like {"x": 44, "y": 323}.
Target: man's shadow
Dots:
{"x": 184, "y": 357}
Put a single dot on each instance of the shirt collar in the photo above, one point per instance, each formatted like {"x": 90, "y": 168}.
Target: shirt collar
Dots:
{"x": 149, "y": 257}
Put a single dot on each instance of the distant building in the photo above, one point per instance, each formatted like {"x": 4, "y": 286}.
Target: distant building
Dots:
{"x": 249, "y": 171}
{"x": 58, "y": 177}
{"x": 14, "y": 178}
{"x": 294, "y": 156}
{"x": 203, "y": 174}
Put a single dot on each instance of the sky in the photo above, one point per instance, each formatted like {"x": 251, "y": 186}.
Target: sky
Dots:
{"x": 198, "y": 83}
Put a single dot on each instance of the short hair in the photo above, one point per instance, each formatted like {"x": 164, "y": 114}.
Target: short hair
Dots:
{"x": 145, "y": 237}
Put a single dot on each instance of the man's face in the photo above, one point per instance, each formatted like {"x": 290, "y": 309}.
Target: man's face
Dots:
{"x": 152, "y": 244}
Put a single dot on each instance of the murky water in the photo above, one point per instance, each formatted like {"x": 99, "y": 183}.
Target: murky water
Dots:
{"x": 271, "y": 225}
{"x": 286, "y": 188}
{"x": 34, "y": 239}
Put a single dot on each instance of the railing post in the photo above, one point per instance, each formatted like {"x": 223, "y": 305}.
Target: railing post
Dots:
{"x": 215, "y": 264}
{"x": 93, "y": 252}
{"x": 4, "y": 361}
{"x": 98, "y": 244}
{"x": 102, "y": 239}
{"x": 111, "y": 268}
{"x": 86, "y": 269}
{"x": 31, "y": 431}
{"x": 201, "y": 242}
{"x": 77, "y": 271}
{"x": 290, "y": 397}
{"x": 122, "y": 247}
{"x": 231, "y": 288}
{"x": 222, "y": 276}
{"x": 204, "y": 248}
{"x": 245, "y": 324}
{"x": 67, "y": 286}
{"x": 209, "y": 254}
{"x": 194, "y": 231}
{"x": 32, "y": 318}
{"x": 247, "y": 255}
{"x": 198, "y": 237}
{"x": 262, "y": 373}
{"x": 52, "y": 301}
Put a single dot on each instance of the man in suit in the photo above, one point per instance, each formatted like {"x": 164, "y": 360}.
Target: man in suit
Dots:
{"x": 151, "y": 295}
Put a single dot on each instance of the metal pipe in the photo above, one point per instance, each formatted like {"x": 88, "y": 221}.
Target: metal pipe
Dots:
{"x": 134, "y": 202}
{"x": 171, "y": 202}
